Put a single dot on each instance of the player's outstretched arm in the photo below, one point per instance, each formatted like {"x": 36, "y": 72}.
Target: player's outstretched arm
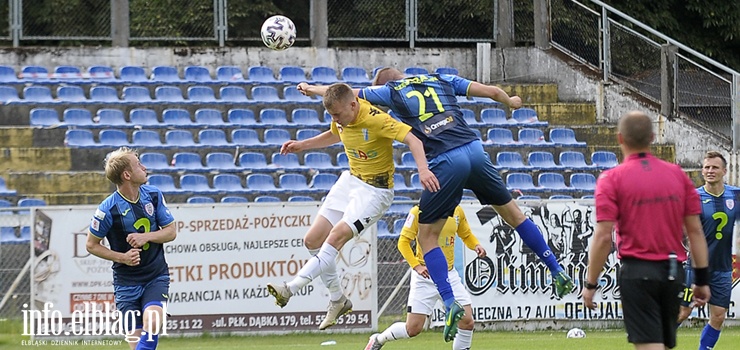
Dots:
{"x": 426, "y": 177}
{"x": 325, "y": 139}
{"x": 320, "y": 90}
{"x": 494, "y": 92}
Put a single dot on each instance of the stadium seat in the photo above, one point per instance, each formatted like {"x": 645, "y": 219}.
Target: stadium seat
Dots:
{"x": 265, "y": 94}
{"x": 292, "y": 74}
{"x": 342, "y": 160}
{"x": 292, "y": 94}
{"x": 44, "y": 117}
{"x": 252, "y": 160}
{"x": 529, "y": 197}
{"x": 187, "y": 161}
{"x": 163, "y": 182}
{"x": 228, "y": 183}
{"x": 133, "y": 74}
{"x": 527, "y": 116}
{"x": 561, "y": 196}
{"x": 35, "y": 93}
{"x": 220, "y": 161}
{"x": 323, "y": 182}
{"x": 234, "y": 199}
{"x": 272, "y": 116}
{"x": 79, "y": 138}
{"x": 446, "y": 70}
{"x": 155, "y": 161}
{"x": 415, "y": 71}
{"x": 209, "y": 118}
{"x": 355, "y": 75}
{"x": 604, "y": 159}
{"x": 303, "y": 134}
{"x": 176, "y": 117}
{"x": 136, "y": 94}
{"x": 276, "y": 136}
{"x": 229, "y": 74}
{"x": 286, "y": 161}
{"x": 533, "y": 138}
{"x": 552, "y": 182}
{"x": 111, "y": 117}
{"x": 143, "y": 117}
{"x": 146, "y": 138}
{"x": 233, "y": 94}
{"x": 261, "y": 75}
{"x": 317, "y": 160}
{"x": 71, "y": 93}
{"x": 293, "y": 182}
{"x": 493, "y": 116}
{"x": 583, "y": 181}
{"x": 542, "y": 161}
{"x": 469, "y": 117}
{"x": 407, "y": 161}
{"x": 399, "y": 184}
{"x": 241, "y": 117}
{"x": 565, "y": 137}
{"x": 520, "y": 181}
{"x": 511, "y": 161}
{"x": 5, "y": 191}
{"x": 104, "y": 94}
{"x": 77, "y": 117}
{"x": 7, "y": 74}
{"x": 245, "y": 137}
{"x": 165, "y": 74}
{"x": 201, "y": 94}
{"x": 300, "y": 199}
{"x": 168, "y": 94}
{"x": 114, "y": 138}
{"x": 15, "y": 235}
{"x": 305, "y": 117}
{"x": 574, "y": 160}
{"x": 8, "y": 94}
{"x": 34, "y": 73}
{"x": 324, "y": 75}
{"x": 212, "y": 138}
{"x": 500, "y": 136}
{"x": 383, "y": 231}
{"x": 266, "y": 199}
{"x": 398, "y": 226}
{"x": 200, "y": 200}
{"x": 260, "y": 182}
{"x": 195, "y": 183}
{"x": 415, "y": 182}
{"x": 67, "y": 72}
{"x": 179, "y": 138}
{"x": 31, "y": 202}
{"x": 101, "y": 73}
{"x": 588, "y": 196}
{"x": 197, "y": 74}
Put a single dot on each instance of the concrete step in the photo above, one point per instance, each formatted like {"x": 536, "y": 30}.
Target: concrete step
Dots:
{"x": 34, "y": 158}
{"x": 56, "y": 182}
{"x": 567, "y": 114}
{"x": 666, "y": 152}
{"x": 533, "y": 93}
{"x": 72, "y": 198}
{"x": 596, "y": 134}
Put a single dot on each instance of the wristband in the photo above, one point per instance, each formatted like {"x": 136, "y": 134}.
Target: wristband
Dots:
{"x": 591, "y": 286}
{"x": 701, "y": 276}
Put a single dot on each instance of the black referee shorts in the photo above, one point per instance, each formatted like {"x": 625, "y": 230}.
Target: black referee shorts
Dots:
{"x": 650, "y": 301}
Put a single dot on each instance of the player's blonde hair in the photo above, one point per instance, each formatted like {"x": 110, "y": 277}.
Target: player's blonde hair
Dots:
{"x": 387, "y": 74}
{"x": 116, "y": 163}
{"x": 338, "y": 93}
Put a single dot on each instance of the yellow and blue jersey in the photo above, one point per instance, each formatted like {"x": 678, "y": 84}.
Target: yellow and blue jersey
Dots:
{"x": 116, "y": 217}
{"x": 428, "y": 103}
{"x": 718, "y": 216}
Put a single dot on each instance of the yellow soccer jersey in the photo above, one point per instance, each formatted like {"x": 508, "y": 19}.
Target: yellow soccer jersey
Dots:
{"x": 368, "y": 143}
{"x": 456, "y": 224}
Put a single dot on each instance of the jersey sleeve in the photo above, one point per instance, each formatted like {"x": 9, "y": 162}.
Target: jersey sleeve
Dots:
{"x": 333, "y": 128}
{"x": 164, "y": 217}
{"x": 393, "y": 129}
{"x": 101, "y": 222}
{"x": 605, "y": 198}
{"x": 461, "y": 85}
{"x": 380, "y": 95}
{"x": 464, "y": 231}
{"x": 404, "y": 247}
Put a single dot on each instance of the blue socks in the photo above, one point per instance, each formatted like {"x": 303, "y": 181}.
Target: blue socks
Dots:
{"x": 144, "y": 342}
{"x": 709, "y": 337}
{"x": 437, "y": 266}
{"x": 532, "y": 237}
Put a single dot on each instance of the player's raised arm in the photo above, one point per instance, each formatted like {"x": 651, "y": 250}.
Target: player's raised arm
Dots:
{"x": 494, "y": 92}
{"x": 325, "y": 139}
{"x": 320, "y": 90}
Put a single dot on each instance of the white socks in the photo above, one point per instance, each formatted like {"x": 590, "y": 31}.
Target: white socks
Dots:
{"x": 463, "y": 340}
{"x": 325, "y": 262}
{"x": 394, "y": 332}
{"x": 330, "y": 280}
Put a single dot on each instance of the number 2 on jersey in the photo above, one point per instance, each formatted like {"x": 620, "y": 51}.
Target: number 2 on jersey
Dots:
{"x": 146, "y": 224}
{"x": 423, "y": 114}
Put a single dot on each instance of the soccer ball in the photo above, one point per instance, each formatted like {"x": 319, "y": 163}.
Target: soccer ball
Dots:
{"x": 278, "y": 32}
{"x": 576, "y": 333}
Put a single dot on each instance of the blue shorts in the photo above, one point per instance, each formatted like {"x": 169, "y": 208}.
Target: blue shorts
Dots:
{"x": 467, "y": 166}
{"x": 720, "y": 285}
{"x": 130, "y": 300}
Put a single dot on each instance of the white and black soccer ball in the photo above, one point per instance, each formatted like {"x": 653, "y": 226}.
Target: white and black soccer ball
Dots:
{"x": 278, "y": 32}
{"x": 576, "y": 333}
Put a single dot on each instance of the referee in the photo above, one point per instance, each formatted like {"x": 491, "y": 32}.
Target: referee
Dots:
{"x": 649, "y": 202}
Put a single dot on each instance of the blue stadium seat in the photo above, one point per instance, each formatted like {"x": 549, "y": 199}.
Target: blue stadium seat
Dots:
{"x": 176, "y": 117}
{"x": 112, "y": 137}
{"x": 187, "y": 161}
{"x": 399, "y": 184}
{"x": 200, "y": 200}
{"x": 245, "y": 137}
{"x": 324, "y": 75}
{"x": 469, "y": 117}
{"x": 35, "y": 93}
{"x": 233, "y": 94}
{"x": 604, "y": 159}
{"x": 552, "y": 182}
{"x": 415, "y": 71}
{"x": 166, "y": 74}
{"x": 529, "y": 197}
{"x": 197, "y": 74}
{"x": 383, "y": 231}
{"x": 500, "y": 136}
{"x": 195, "y": 183}
{"x": 511, "y": 161}
{"x": 565, "y": 137}
{"x": 221, "y": 161}
{"x": 527, "y": 116}
{"x": 228, "y": 183}
{"x": 355, "y": 75}
{"x": 300, "y": 199}
{"x": 5, "y": 191}
{"x": 143, "y": 117}
{"x": 286, "y": 161}
{"x": 234, "y": 199}
{"x": 583, "y": 181}
{"x": 266, "y": 199}
{"x": 263, "y": 94}
{"x": 542, "y": 161}
{"x": 212, "y": 138}
{"x": 293, "y": 182}
{"x": 261, "y": 75}
{"x": 146, "y": 138}
{"x": 67, "y": 74}
{"x": 67, "y": 70}
{"x": 521, "y": 181}
{"x": 71, "y": 93}
{"x": 272, "y": 116}
{"x": 415, "y": 182}
{"x": 164, "y": 183}
{"x": 342, "y": 160}
{"x": 398, "y": 226}
{"x": 79, "y": 138}
{"x": 574, "y": 161}
{"x": 323, "y": 182}
{"x": 229, "y": 74}
{"x": 292, "y": 74}
{"x": 494, "y": 116}
{"x": 261, "y": 182}
{"x": 7, "y": 74}
{"x": 252, "y": 160}
{"x": 276, "y": 136}
{"x": 201, "y": 94}
{"x": 407, "y": 161}
{"x": 292, "y": 94}
{"x": 305, "y": 117}
{"x": 77, "y": 117}
{"x": 105, "y": 94}
{"x": 101, "y": 73}
{"x": 588, "y": 196}
{"x": 111, "y": 117}
{"x": 155, "y": 161}
{"x": 136, "y": 94}
{"x": 241, "y": 117}
{"x": 34, "y": 73}
{"x": 209, "y": 118}
{"x": 168, "y": 94}
{"x": 133, "y": 74}
{"x": 533, "y": 138}
{"x": 44, "y": 117}
{"x": 31, "y": 202}
{"x": 446, "y": 70}
{"x": 8, "y": 94}
{"x": 317, "y": 160}
{"x": 11, "y": 235}
{"x": 561, "y": 196}
{"x": 179, "y": 138}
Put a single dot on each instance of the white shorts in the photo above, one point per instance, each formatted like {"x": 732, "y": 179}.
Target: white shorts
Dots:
{"x": 423, "y": 294}
{"x": 355, "y": 202}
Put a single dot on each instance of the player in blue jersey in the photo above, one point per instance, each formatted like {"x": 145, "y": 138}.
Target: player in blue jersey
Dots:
{"x": 719, "y": 212}
{"x": 136, "y": 222}
{"x": 428, "y": 103}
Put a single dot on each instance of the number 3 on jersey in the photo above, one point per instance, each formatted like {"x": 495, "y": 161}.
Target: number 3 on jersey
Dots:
{"x": 429, "y": 92}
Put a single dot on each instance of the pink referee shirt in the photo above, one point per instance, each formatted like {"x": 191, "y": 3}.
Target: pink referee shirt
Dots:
{"x": 648, "y": 199}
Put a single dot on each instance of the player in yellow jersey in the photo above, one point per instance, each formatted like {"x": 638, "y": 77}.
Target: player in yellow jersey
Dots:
{"x": 423, "y": 294}
{"x": 359, "y": 197}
